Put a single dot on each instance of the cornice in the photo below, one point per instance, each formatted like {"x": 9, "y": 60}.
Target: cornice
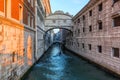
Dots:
{"x": 85, "y": 8}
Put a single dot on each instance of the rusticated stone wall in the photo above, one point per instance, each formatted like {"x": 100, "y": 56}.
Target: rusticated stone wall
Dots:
{"x": 108, "y": 37}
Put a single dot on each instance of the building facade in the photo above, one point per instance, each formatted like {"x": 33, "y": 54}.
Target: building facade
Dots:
{"x": 96, "y": 33}
{"x": 17, "y": 37}
{"x": 40, "y": 16}
{"x": 47, "y": 7}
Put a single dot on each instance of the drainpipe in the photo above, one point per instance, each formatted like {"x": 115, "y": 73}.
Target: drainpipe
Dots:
{"x": 35, "y": 54}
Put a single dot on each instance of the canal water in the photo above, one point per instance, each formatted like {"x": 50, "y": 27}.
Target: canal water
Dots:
{"x": 57, "y": 64}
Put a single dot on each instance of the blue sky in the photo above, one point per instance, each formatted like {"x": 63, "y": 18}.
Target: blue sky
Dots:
{"x": 71, "y": 6}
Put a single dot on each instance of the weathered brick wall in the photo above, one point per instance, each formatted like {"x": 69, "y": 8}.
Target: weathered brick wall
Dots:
{"x": 107, "y": 37}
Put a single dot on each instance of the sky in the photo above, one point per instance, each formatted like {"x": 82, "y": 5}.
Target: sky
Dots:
{"x": 71, "y": 6}
{"x": 56, "y": 30}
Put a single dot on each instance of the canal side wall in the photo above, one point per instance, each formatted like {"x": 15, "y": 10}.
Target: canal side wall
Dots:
{"x": 100, "y": 45}
{"x": 17, "y": 39}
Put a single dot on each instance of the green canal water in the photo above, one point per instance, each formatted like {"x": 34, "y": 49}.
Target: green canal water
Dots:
{"x": 57, "y": 64}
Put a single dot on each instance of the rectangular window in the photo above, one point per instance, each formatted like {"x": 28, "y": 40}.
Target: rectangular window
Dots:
{"x": 83, "y": 29}
{"x": 78, "y": 31}
{"x": 78, "y": 44}
{"x": 89, "y": 45}
{"x": 116, "y": 21}
{"x": 13, "y": 57}
{"x": 28, "y": 19}
{"x": 100, "y": 7}
{"x": 100, "y": 49}
{"x": 83, "y": 17}
{"x": 78, "y": 20}
{"x": 83, "y": 46}
{"x": 90, "y": 28}
{"x": 90, "y": 13}
{"x": 115, "y": 52}
{"x": 32, "y": 22}
{"x": 100, "y": 25}
{"x": 20, "y": 14}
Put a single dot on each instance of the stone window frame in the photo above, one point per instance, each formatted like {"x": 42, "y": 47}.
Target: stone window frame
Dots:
{"x": 32, "y": 21}
{"x": 113, "y": 20}
{"x": 100, "y": 7}
{"x": 99, "y": 47}
{"x": 90, "y": 28}
{"x": 90, "y": 13}
{"x": 90, "y": 46}
{"x": 29, "y": 20}
{"x": 100, "y": 25}
{"x": 20, "y": 13}
{"x": 83, "y": 45}
{"x": 115, "y": 52}
{"x": 83, "y": 29}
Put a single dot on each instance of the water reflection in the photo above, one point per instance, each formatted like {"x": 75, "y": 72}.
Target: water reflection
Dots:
{"x": 58, "y": 66}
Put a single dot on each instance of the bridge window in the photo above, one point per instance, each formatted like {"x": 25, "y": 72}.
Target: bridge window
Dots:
{"x": 116, "y": 21}
{"x": 100, "y": 49}
{"x": 100, "y": 7}
{"x": 115, "y": 52}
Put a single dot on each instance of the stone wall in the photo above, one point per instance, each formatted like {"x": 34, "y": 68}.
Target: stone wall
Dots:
{"x": 108, "y": 37}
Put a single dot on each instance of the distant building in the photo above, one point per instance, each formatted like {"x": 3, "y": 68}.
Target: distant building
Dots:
{"x": 96, "y": 33}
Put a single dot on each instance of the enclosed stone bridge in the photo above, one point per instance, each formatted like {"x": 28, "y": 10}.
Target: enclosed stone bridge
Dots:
{"x": 59, "y": 19}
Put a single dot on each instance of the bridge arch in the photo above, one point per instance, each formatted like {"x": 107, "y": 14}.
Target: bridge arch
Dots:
{"x": 56, "y": 28}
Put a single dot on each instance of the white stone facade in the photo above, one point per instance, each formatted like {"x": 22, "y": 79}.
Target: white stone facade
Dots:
{"x": 59, "y": 19}
{"x": 40, "y": 16}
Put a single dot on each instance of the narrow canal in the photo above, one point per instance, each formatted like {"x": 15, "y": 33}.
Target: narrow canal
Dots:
{"x": 57, "y": 64}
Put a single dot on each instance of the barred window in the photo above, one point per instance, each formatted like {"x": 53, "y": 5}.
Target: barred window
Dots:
{"x": 116, "y": 21}
{"x": 115, "y": 52}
